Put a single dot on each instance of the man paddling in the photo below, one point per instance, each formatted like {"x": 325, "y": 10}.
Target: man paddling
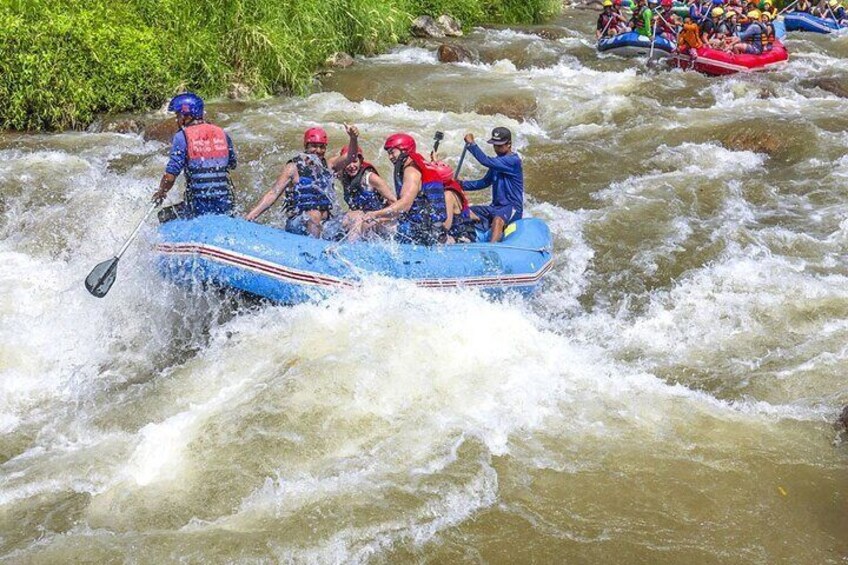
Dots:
{"x": 505, "y": 176}
{"x": 205, "y": 152}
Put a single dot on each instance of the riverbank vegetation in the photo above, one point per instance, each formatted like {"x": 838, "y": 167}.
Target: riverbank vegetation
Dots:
{"x": 62, "y": 62}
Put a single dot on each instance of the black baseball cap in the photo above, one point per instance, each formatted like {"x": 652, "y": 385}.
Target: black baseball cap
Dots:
{"x": 500, "y": 136}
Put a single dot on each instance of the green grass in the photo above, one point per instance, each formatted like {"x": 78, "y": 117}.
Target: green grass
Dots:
{"x": 62, "y": 62}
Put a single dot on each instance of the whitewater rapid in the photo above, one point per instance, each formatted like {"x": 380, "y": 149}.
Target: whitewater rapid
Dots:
{"x": 667, "y": 396}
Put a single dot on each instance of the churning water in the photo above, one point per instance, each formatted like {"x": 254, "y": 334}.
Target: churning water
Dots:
{"x": 667, "y": 397}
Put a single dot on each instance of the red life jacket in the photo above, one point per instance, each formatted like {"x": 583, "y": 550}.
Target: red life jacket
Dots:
{"x": 206, "y": 141}
{"x": 445, "y": 174}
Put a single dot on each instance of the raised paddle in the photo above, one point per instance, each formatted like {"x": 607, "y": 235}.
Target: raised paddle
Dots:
{"x": 438, "y": 137}
{"x": 100, "y": 279}
{"x": 787, "y": 7}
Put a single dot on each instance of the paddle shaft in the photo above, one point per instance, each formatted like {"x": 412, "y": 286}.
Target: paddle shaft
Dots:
{"x": 787, "y": 7}
{"x": 136, "y": 230}
{"x": 653, "y": 37}
{"x": 461, "y": 160}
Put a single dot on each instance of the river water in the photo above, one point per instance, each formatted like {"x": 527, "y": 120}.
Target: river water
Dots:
{"x": 667, "y": 397}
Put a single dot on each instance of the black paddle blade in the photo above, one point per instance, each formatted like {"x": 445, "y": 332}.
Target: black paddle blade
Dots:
{"x": 100, "y": 279}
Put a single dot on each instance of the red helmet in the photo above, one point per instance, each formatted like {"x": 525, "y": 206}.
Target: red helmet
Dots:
{"x": 400, "y": 141}
{"x": 666, "y": 3}
{"x": 343, "y": 152}
{"x": 616, "y": 2}
{"x": 315, "y": 135}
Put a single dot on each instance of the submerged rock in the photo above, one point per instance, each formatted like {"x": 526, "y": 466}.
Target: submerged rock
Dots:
{"x": 161, "y": 131}
{"x": 425, "y": 26}
{"x": 339, "y": 60}
{"x": 756, "y": 140}
{"x": 514, "y": 106}
{"x": 452, "y": 53}
{"x": 449, "y": 26}
{"x": 832, "y": 85}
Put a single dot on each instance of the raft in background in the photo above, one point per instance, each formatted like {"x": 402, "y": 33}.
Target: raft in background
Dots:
{"x": 632, "y": 44}
{"x": 283, "y": 267}
{"x": 716, "y": 62}
{"x": 802, "y": 21}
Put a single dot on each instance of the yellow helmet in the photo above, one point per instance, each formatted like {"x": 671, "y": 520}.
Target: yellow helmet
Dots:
{"x": 607, "y": 3}
{"x": 833, "y": 3}
{"x": 753, "y": 15}
{"x": 717, "y": 12}
{"x": 766, "y": 15}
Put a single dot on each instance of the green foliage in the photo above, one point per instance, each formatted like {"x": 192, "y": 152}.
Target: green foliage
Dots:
{"x": 64, "y": 61}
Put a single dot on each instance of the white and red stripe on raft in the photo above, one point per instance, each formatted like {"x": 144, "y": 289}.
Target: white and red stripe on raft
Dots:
{"x": 290, "y": 275}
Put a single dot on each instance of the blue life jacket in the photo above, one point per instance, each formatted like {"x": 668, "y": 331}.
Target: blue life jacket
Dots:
{"x": 208, "y": 188}
{"x": 314, "y": 188}
{"x": 357, "y": 195}
{"x": 422, "y": 223}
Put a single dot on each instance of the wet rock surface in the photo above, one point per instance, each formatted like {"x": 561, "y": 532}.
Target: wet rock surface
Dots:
{"x": 339, "y": 60}
{"x": 163, "y": 130}
{"x": 425, "y": 26}
{"x": 450, "y": 26}
{"x": 515, "y": 106}
{"x": 452, "y": 53}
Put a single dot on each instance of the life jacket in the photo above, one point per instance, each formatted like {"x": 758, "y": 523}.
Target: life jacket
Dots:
{"x": 357, "y": 195}
{"x": 428, "y": 211}
{"x": 758, "y": 40}
{"x": 689, "y": 37}
{"x": 314, "y": 188}
{"x": 768, "y": 37}
{"x": 208, "y": 158}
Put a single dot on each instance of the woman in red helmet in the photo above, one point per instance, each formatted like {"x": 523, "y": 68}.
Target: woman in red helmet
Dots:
{"x": 307, "y": 183}
{"x": 364, "y": 190}
{"x": 420, "y": 207}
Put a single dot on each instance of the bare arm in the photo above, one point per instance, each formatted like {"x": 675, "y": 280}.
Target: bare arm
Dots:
{"x": 376, "y": 182}
{"x": 289, "y": 174}
{"x": 166, "y": 184}
{"x": 411, "y": 188}
{"x": 337, "y": 164}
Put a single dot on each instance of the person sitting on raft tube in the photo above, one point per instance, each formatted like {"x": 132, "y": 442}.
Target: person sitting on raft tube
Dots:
{"x": 837, "y": 11}
{"x": 667, "y": 21}
{"x": 769, "y": 35}
{"x": 714, "y": 30}
{"x": 364, "y": 191}
{"x": 609, "y": 21}
{"x": 821, "y": 10}
{"x": 689, "y": 38}
{"x": 420, "y": 206}
{"x": 505, "y": 176}
{"x": 802, "y": 6}
{"x": 641, "y": 20}
{"x": 751, "y": 40}
{"x": 768, "y": 8}
{"x": 307, "y": 182}
{"x": 206, "y": 154}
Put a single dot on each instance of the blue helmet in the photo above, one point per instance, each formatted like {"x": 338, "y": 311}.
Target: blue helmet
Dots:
{"x": 187, "y": 104}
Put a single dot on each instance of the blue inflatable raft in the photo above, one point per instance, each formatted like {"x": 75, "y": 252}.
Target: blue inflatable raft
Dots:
{"x": 633, "y": 44}
{"x": 283, "y": 267}
{"x": 802, "y": 21}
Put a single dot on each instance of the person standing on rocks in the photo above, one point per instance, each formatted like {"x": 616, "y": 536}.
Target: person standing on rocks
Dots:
{"x": 205, "y": 152}
{"x": 505, "y": 176}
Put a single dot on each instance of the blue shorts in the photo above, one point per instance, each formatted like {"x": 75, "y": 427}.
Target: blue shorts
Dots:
{"x": 488, "y": 213}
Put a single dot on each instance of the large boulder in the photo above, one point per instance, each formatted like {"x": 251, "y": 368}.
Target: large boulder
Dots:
{"x": 161, "y": 131}
{"x": 425, "y": 26}
{"x": 449, "y": 26}
{"x": 339, "y": 60}
{"x": 515, "y": 106}
{"x": 452, "y": 53}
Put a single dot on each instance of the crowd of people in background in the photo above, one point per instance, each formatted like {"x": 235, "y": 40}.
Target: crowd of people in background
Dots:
{"x": 734, "y": 26}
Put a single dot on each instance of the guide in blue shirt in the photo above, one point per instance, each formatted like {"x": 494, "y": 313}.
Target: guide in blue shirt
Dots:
{"x": 505, "y": 176}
